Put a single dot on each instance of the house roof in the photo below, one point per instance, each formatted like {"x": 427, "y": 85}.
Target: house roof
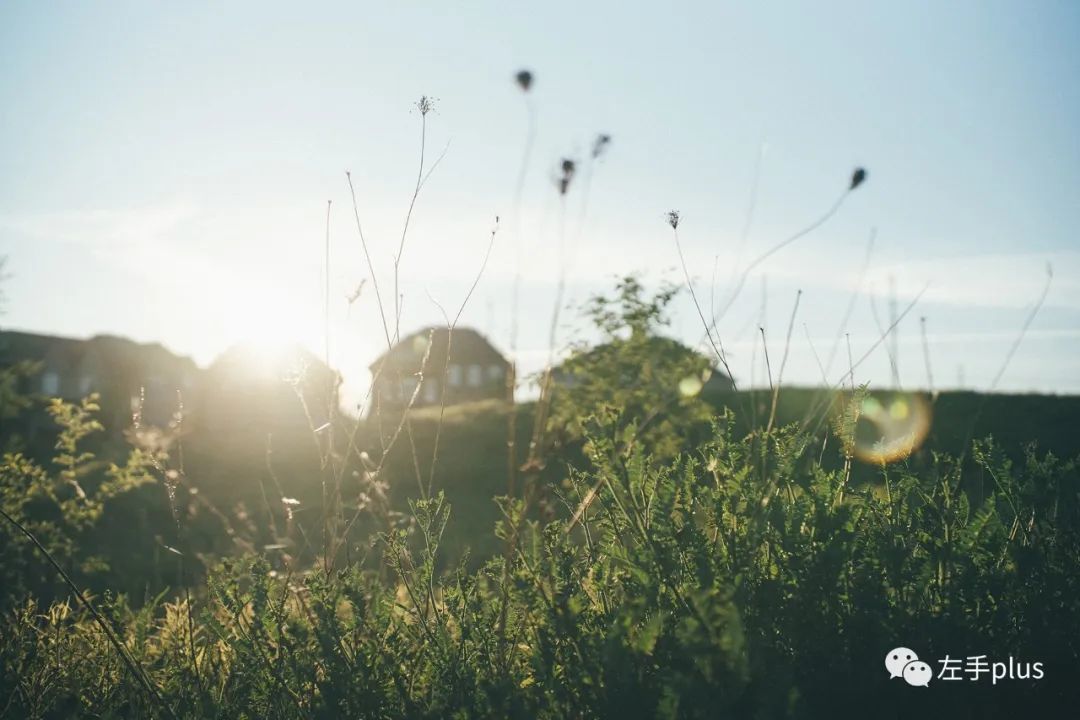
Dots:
{"x": 16, "y": 346}
{"x": 247, "y": 363}
{"x": 70, "y": 352}
{"x": 467, "y": 346}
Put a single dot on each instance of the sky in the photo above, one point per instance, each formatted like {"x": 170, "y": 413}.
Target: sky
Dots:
{"x": 165, "y": 170}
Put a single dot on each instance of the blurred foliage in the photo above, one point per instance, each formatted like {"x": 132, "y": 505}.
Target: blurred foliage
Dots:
{"x": 12, "y": 402}
{"x": 634, "y": 372}
{"x": 61, "y": 506}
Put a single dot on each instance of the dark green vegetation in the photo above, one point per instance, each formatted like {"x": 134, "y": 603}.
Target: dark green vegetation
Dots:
{"x": 680, "y": 563}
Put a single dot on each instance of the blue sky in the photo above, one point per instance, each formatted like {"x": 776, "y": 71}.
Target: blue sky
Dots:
{"x": 166, "y": 169}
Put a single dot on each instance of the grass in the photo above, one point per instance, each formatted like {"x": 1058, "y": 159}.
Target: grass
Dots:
{"x": 736, "y": 579}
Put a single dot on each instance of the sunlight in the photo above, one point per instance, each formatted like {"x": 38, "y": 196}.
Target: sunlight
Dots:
{"x": 268, "y": 320}
{"x": 267, "y": 355}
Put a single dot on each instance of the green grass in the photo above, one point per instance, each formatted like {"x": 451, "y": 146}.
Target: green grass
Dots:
{"x": 742, "y": 578}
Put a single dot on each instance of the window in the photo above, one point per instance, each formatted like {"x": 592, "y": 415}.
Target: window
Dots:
{"x": 453, "y": 376}
{"x": 431, "y": 391}
{"x": 86, "y": 384}
{"x": 50, "y": 383}
{"x": 476, "y": 376}
{"x": 495, "y": 372}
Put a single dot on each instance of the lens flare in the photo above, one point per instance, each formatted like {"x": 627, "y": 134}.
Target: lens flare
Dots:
{"x": 891, "y": 426}
{"x": 692, "y": 385}
{"x": 420, "y": 345}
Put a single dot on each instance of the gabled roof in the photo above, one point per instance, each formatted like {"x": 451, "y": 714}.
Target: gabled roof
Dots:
{"x": 249, "y": 364}
{"x": 467, "y": 347}
{"x": 16, "y": 345}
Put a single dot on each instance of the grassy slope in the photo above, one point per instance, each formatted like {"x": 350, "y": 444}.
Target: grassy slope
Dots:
{"x": 472, "y": 455}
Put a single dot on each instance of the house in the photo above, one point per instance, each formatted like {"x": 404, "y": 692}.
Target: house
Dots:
{"x": 127, "y": 375}
{"x": 469, "y": 365}
{"x": 287, "y": 388}
{"x": 242, "y": 388}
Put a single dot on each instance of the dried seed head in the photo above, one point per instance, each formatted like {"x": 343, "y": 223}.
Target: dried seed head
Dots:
{"x": 425, "y": 104}
{"x": 355, "y": 294}
{"x": 673, "y": 219}
{"x": 600, "y": 145}
{"x": 568, "y": 167}
{"x": 857, "y": 178}
{"x": 524, "y": 79}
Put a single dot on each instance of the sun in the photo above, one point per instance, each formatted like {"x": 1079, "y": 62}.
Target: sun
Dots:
{"x": 272, "y": 320}
{"x": 266, "y": 315}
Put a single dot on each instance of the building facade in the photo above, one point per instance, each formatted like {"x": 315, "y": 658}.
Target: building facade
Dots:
{"x": 428, "y": 362}
{"x": 128, "y": 376}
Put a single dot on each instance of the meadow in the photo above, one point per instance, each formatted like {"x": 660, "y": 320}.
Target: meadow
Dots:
{"x": 628, "y": 544}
